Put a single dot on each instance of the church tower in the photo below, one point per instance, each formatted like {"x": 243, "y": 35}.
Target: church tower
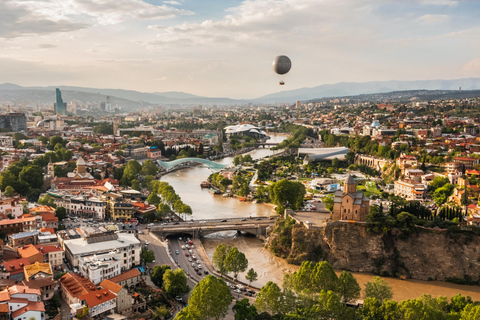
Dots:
{"x": 81, "y": 166}
{"x": 350, "y": 185}
{"x": 51, "y": 168}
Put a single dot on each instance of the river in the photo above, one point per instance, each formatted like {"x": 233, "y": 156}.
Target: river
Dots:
{"x": 186, "y": 183}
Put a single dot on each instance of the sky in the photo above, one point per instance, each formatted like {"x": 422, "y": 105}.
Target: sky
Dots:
{"x": 225, "y": 48}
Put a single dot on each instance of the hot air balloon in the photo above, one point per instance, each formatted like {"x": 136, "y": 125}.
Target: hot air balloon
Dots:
{"x": 281, "y": 66}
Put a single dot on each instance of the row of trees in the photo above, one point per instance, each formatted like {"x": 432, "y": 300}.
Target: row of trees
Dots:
{"x": 24, "y": 177}
{"x": 242, "y": 159}
{"x": 228, "y": 259}
{"x": 165, "y": 198}
{"x": 172, "y": 282}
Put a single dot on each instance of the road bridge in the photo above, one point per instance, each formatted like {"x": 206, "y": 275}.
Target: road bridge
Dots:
{"x": 267, "y": 144}
{"x": 254, "y": 225}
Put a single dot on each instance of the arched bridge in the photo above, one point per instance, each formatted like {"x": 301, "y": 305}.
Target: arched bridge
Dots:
{"x": 174, "y": 163}
{"x": 255, "y": 225}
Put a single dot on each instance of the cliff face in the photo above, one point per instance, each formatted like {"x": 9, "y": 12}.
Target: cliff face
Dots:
{"x": 424, "y": 255}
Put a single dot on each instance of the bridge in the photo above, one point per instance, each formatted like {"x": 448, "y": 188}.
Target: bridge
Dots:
{"x": 175, "y": 163}
{"x": 254, "y": 225}
{"x": 267, "y": 144}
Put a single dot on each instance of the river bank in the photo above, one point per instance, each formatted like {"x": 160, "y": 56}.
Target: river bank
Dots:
{"x": 271, "y": 268}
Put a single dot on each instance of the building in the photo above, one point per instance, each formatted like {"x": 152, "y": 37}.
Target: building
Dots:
{"x": 465, "y": 161}
{"x": 350, "y": 204}
{"x": 406, "y": 161}
{"x": 99, "y": 267}
{"x": 59, "y": 106}
{"x": 14, "y": 122}
{"x": 15, "y": 268}
{"x": 73, "y": 286}
{"x": 128, "y": 279}
{"x": 53, "y": 255}
{"x": 30, "y": 253}
{"x": 245, "y": 130}
{"x": 118, "y": 210}
{"x": 9, "y": 207}
{"x": 99, "y": 302}
{"x": 38, "y": 270}
{"x": 22, "y": 238}
{"x": 127, "y": 245}
{"x": 410, "y": 190}
{"x": 23, "y": 302}
{"x": 154, "y": 153}
{"x": 124, "y": 299}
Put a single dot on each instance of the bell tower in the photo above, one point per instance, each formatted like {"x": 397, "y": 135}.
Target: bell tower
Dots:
{"x": 51, "y": 168}
{"x": 350, "y": 185}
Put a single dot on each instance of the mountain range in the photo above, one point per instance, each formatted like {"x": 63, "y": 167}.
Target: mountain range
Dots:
{"x": 133, "y": 99}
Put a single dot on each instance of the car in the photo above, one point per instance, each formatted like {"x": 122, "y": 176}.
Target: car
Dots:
{"x": 183, "y": 247}
{"x": 203, "y": 221}
{"x": 190, "y": 221}
{"x": 176, "y": 251}
{"x": 151, "y": 224}
{"x": 153, "y": 261}
{"x": 271, "y": 218}
{"x": 258, "y": 219}
{"x": 205, "y": 271}
{"x": 232, "y": 287}
{"x": 178, "y": 298}
{"x": 186, "y": 254}
{"x": 190, "y": 259}
{"x": 252, "y": 292}
{"x": 176, "y": 223}
{"x": 199, "y": 273}
{"x": 180, "y": 238}
{"x": 248, "y": 294}
{"x": 194, "y": 256}
{"x": 239, "y": 286}
{"x": 199, "y": 266}
{"x": 237, "y": 291}
{"x": 228, "y": 284}
{"x": 244, "y": 219}
{"x": 193, "y": 264}
{"x": 146, "y": 242}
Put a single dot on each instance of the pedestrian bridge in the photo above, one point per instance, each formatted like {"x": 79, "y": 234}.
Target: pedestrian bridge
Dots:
{"x": 256, "y": 225}
{"x": 175, "y": 163}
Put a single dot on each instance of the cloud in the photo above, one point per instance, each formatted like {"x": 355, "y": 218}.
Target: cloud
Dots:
{"x": 175, "y": 3}
{"x": 36, "y": 17}
{"x": 47, "y": 46}
{"x": 451, "y": 3}
{"x": 472, "y": 67}
{"x": 433, "y": 18}
{"x": 156, "y": 27}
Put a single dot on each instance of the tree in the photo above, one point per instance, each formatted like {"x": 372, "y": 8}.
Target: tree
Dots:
{"x": 210, "y": 299}
{"x": 32, "y": 175}
{"x": 153, "y": 199}
{"x": 147, "y": 256}
{"x": 9, "y": 191}
{"x": 244, "y": 311}
{"x": 149, "y": 168}
{"x": 270, "y": 299}
{"x": 218, "y": 259}
{"x": 312, "y": 278}
{"x": 379, "y": 289}
{"x": 441, "y": 194}
{"x": 61, "y": 213}
{"x": 237, "y": 160}
{"x": 438, "y": 182}
{"x": 347, "y": 287}
{"x": 284, "y": 193}
{"x": 135, "y": 184}
{"x": 251, "y": 276}
{"x": 54, "y": 141}
{"x": 46, "y": 201}
{"x": 235, "y": 261}
{"x": 157, "y": 274}
{"x": 161, "y": 312}
{"x": 175, "y": 283}
{"x": 247, "y": 158}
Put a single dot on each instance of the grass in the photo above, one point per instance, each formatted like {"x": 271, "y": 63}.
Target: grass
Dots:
{"x": 369, "y": 188}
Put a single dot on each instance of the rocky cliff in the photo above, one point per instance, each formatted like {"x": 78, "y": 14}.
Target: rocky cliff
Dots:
{"x": 424, "y": 255}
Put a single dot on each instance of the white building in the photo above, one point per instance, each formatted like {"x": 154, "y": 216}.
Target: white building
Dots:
{"x": 410, "y": 190}
{"x": 16, "y": 210}
{"x": 126, "y": 244}
{"x": 100, "y": 267}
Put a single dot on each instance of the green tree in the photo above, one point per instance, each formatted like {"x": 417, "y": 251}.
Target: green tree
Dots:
{"x": 9, "y": 191}
{"x": 379, "y": 289}
{"x": 161, "y": 313}
{"x": 135, "y": 184}
{"x": 61, "y": 213}
{"x": 187, "y": 313}
{"x": 284, "y": 193}
{"x": 153, "y": 199}
{"x": 235, "y": 261}
{"x": 438, "y": 182}
{"x": 312, "y": 278}
{"x": 175, "y": 283}
{"x": 244, "y": 311}
{"x": 247, "y": 159}
{"x": 348, "y": 288}
{"x": 54, "y": 141}
{"x": 149, "y": 168}
{"x": 46, "y": 201}
{"x": 210, "y": 299}
{"x": 237, "y": 160}
{"x": 147, "y": 256}
{"x": 218, "y": 259}
{"x": 441, "y": 194}
{"x": 251, "y": 276}
{"x": 328, "y": 201}
{"x": 157, "y": 274}
{"x": 270, "y": 299}
{"x": 43, "y": 139}
{"x": 32, "y": 175}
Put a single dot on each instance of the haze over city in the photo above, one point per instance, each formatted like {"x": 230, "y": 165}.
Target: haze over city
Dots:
{"x": 225, "y": 48}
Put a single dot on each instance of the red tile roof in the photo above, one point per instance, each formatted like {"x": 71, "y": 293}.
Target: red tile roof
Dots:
{"x": 98, "y": 297}
{"x": 32, "y": 306}
{"x": 48, "y": 249}
{"x": 16, "y": 266}
{"x": 126, "y": 275}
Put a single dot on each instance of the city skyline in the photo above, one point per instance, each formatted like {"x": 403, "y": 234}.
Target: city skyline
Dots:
{"x": 226, "y": 48}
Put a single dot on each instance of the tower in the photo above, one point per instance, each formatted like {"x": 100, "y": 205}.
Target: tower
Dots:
{"x": 81, "y": 166}
{"x": 116, "y": 122}
{"x": 59, "y": 106}
{"x": 51, "y": 168}
{"x": 350, "y": 185}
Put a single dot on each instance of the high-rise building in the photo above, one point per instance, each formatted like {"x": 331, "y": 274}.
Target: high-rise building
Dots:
{"x": 15, "y": 121}
{"x": 60, "y": 106}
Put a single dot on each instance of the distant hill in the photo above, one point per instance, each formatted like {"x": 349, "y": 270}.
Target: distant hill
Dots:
{"x": 356, "y": 88}
{"x": 133, "y": 99}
